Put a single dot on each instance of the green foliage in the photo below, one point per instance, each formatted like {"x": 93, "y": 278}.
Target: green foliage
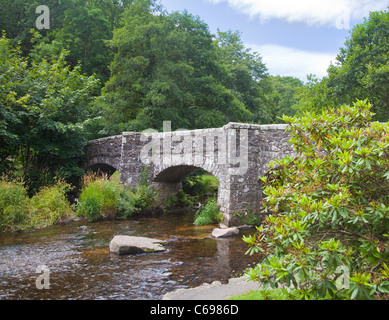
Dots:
{"x": 127, "y": 204}
{"x": 14, "y": 214}
{"x": 274, "y": 294}
{"x": 84, "y": 32}
{"x": 18, "y": 212}
{"x": 42, "y": 107}
{"x": 50, "y": 205}
{"x": 360, "y": 71}
{"x": 314, "y": 96}
{"x": 103, "y": 198}
{"x": 167, "y": 66}
{"x": 99, "y": 200}
{"x": 144, "y": 197}
{"x": 245, "y": 74}
{"x": 198, "y": 186}
{"x": 199, "y": 183}
{"x": 282, "y": 98}
{"x": 208, "y": 214}
{"x": 181, "y": 200}
{"x": 329, "y": 208}
{"x": 249, "y": 218}
{"x": 82, "y": 27}
{"x": 135, "y": 201}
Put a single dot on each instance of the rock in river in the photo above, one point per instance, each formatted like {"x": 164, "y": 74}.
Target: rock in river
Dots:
{"x": 222, "y": 233}
{"x": 134, "y": 245}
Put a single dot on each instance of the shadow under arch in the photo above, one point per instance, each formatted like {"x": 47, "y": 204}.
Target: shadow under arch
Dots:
{"x": 175, "y": 174}
{"x": 101, "y": 168}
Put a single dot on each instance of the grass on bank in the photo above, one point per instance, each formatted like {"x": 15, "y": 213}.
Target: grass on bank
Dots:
{"x": 103, "y": 198}
{"x": 20, "y": 212}
{"x": 100, "y": 198}
{"x": 208, "y": 213}
{"x": 202, "y": 187}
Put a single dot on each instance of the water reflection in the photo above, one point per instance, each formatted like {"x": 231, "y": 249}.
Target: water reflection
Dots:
{"x": 81, "y": 266}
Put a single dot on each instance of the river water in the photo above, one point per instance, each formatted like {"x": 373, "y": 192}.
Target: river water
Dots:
{"x": 82, "y": 268}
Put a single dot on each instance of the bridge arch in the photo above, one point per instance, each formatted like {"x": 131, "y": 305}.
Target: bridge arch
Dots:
{"x": 168, "y": 182}
{"x": 102, "y": 168}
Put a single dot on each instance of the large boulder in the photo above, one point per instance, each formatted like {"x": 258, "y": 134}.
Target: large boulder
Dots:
{"x": 223, "y": 233}
{"x": 134, "y": 245}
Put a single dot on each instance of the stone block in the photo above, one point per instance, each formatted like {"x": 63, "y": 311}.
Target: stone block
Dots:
{"x": 226, "y": 232}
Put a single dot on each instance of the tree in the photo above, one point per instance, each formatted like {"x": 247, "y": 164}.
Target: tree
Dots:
{"x": 166, "y": 68}
{"x": 282, "y": 99}
{"x": 362, "y": 67}
{"x": 19, "y": 17}
{"x": 42, "y": 108}
{"x": 81, "y": 26}
{"x": 361, "y": 71}
{"x": 84, "y": 33}
{"x": 246, "y": 75}
{"x": 315, "y": 96}
{"x": 329, "y": 208}
{"x": 113, "y": 10}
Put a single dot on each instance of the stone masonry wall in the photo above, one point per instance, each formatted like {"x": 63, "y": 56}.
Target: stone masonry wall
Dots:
{"x": 236, "y": 154}
{"x": 107, "y": 151}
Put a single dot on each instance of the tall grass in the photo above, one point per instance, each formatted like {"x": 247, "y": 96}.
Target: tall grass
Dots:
{"x": 208, "y": 214}
{"x": 19, "y": 212}
{"x": 99, "y": 200}
{"x": 50, "y": 205}
{"x": 103, "y": 198}
{"x": 14, "y": 210}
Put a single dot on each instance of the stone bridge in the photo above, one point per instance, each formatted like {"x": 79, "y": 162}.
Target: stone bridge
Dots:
{"x": 236, "y": 154}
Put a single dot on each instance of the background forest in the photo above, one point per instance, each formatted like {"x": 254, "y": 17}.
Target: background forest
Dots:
{"x": 104, "y": 67}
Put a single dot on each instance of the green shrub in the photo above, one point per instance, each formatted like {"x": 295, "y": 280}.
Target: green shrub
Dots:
{"x": 14, "y": 213}
{"x": 208, "y": 214}
{"x": 99, "y": 199}
{"x": 144, "y": 197}
{"x": 103, "y": 198}
{"x": 135, "y": 201}
{"x": 329, "y": 209}
{"x": 127, "y": 204}
{"x": 19, "y": 212}
{"x": 50, "y": 205}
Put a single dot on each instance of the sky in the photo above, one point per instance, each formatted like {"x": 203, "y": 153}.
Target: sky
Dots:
{"x": 294, "y": 37}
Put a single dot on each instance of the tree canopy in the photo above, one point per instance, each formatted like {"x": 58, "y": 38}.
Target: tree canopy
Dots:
{"x": 42, "y": 107}
{"x": 168, "y": 66}
{"x": 361, "y": 71}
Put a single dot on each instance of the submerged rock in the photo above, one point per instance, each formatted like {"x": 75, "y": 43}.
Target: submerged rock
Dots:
{"x": 122, "y": 245}
{"x": 222, "y": 233}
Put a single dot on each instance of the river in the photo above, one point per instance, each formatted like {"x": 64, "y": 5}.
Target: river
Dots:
{"x": 81, "y": 267}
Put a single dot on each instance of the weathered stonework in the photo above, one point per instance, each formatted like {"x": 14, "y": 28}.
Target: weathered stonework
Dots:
{"x": 236, "y": 154}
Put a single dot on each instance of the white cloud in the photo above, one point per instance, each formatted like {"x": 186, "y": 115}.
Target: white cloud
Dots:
{"x": 312, "y": 12}
{"x": 286, "y": 61}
